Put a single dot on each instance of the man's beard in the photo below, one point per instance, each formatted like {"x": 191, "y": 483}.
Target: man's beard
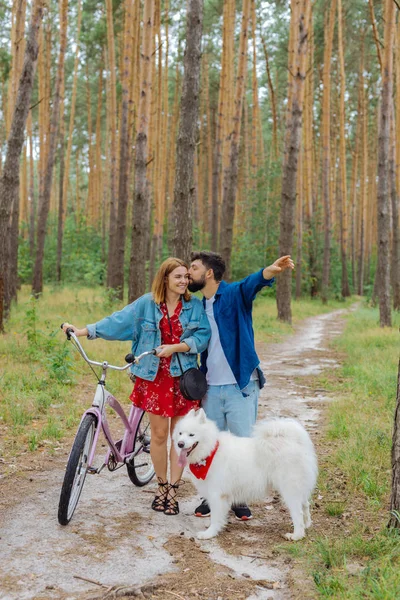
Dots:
{"x": 196, "y": 286}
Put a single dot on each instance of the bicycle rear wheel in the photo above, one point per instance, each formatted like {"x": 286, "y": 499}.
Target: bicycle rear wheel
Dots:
{"x": 76, "y": 470}
{"x": 140, "y": 468}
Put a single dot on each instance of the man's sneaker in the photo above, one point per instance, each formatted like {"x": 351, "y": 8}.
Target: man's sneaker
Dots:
{"x": 203, "y": 510}
{"x": 242, "y": 512}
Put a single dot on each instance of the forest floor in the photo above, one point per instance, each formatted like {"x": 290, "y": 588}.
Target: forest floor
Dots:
{"x": 116, "y": 546}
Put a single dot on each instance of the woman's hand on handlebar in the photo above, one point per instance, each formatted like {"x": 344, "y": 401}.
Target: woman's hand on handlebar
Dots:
{"x": 77, "y": 332}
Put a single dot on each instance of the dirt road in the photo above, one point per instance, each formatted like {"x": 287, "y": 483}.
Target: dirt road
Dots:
{"x": 123, "y": 544}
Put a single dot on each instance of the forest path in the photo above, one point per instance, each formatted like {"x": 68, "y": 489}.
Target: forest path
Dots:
{"x": 128, "y": 544}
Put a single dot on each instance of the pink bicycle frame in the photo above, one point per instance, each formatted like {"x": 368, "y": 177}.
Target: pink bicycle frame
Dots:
{"x": 130, "y": 423}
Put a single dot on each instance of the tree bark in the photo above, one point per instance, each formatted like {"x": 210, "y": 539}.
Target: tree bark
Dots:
{"x": 395, "y": 496}
{"x": 60, "y": 219}
{"x": 112, "y": 99}
{"x": 231, "y": 171}
{"x": 363, "y": 181}
{"x": 116, "y": 261}
{"x": 32, "y": 205}
{"x": 301, "y": 11}
{"x": 65, "y": 162}
{"x": 141, "y": 205}
{"x": 9, "y": 181}
{"x": 383, "y": 267}
{"x": 273, "y": 100}
{"x": 342, "y": 156}
{"x": 44, "y": 199}
{"x": 186, "y": 143}
{"x": 394, "y": 197}
{"x": 326, "y": 159}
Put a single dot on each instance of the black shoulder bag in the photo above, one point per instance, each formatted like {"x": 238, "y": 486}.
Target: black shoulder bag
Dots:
{"x": 193, "y": 382}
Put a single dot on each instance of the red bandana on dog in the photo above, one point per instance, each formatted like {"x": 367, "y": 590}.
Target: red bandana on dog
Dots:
{"x": 200, "y": 469}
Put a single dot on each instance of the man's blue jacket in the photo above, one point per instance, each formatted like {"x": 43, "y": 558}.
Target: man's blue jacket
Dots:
{"x": 233, "y": 315}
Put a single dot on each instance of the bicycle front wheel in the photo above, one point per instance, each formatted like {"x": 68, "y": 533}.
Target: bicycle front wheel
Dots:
{"x": 76, "y": 470}
{"x": 140, "y": 468}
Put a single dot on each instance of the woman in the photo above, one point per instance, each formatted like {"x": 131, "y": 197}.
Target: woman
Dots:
{"x": 172, "y": 321}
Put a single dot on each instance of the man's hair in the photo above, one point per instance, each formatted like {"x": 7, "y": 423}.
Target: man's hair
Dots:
{"x": 211, "y": 260}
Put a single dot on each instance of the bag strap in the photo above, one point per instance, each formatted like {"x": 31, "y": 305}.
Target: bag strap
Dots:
{"x": 170, "y": 326}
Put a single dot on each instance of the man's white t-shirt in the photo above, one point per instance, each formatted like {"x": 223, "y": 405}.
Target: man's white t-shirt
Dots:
{"x": 218, "y": 369}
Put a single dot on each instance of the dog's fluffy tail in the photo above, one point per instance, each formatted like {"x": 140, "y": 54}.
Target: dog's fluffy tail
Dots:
{"x": 281, "y": 427}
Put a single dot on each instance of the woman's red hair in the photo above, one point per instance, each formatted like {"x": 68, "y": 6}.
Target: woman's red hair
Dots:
{"x": 159, "y": 285}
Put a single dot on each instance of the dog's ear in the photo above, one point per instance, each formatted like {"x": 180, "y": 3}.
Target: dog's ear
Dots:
{"x": 201, "y": 415}
{"x": 191, "y": 412}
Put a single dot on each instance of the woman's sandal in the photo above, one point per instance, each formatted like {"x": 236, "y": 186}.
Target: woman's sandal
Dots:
{"x": 160, "y": 498}
{"x": 171, "y": 503}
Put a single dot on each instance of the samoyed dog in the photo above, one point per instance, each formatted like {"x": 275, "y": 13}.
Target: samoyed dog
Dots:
{"x": 231, "y": 470}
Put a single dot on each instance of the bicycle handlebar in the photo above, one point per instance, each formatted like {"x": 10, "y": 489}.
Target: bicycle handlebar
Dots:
{"x": 130, "y": 358}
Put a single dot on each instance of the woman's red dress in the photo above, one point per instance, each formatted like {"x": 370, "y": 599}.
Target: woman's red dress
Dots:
{"x": 162, "y": 396}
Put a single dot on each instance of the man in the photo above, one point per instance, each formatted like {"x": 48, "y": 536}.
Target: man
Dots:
{"x": 231, "y": 363}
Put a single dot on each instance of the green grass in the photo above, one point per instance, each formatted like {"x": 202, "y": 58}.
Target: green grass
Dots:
{"x": 365, "y": 561}
{"x": 44, "y": 383}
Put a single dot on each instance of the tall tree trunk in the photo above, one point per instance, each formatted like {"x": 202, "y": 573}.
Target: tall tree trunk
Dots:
{"x": 375, "y": 33}
{"x": 172, "y": 160}
{"x": 300, "y": 213}
{"x": 383, "y": 156}
{"x": 363, "y": 182}
{"x": 62, "y": 179}
{"x": 231, "y": 171}
{"x": 395, "y": 496}
{"x": 9, "y": 181}
{"x": 342, "y": 159}
{"x": 44, "y": 199}
{"x": 65, "y": 162}
{"x": 354, "y": 174}
{"x": 394, "y": 198}
{"x": 210, "y": 152}
{"x": 301, "y": 12}
{"x": 113, "y": 141}
{"x": 326, "y": 159}
{"x": 117, "y": 258}
{"x": 141, "y": 204}
{"x": 215, "y": 186}
{"x": 18, "y": 43}
{"x": 32, "y": 205}
{"x": 273, "y": 101}
{"x": 396, "y": 189}
{"x": 13, "y": 267}
{"x": 186, "y": 143}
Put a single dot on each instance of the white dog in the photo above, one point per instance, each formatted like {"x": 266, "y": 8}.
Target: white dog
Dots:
{"x": 231, "y": 470}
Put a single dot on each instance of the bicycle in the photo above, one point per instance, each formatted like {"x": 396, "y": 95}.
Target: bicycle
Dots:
{"x": 131, "y": 450}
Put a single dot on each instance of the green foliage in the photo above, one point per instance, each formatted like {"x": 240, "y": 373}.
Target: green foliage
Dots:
{"x": 82, "y": 255}
{"x": 5, "y": 64}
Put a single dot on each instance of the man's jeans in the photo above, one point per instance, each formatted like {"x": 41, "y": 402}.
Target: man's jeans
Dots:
{"x": 230, "y": 410}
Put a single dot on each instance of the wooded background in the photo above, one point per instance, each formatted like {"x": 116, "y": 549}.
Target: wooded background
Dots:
{"x": 132, "y": 130}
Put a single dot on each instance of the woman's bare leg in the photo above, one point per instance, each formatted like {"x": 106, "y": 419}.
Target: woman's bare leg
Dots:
{"x": 158, "y": 444}
{"x": 171, "y": 505}
{"x": 176, "y": 470}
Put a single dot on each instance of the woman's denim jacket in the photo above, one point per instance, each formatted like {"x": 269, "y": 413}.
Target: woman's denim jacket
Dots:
{"x": 140, "y": 322}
